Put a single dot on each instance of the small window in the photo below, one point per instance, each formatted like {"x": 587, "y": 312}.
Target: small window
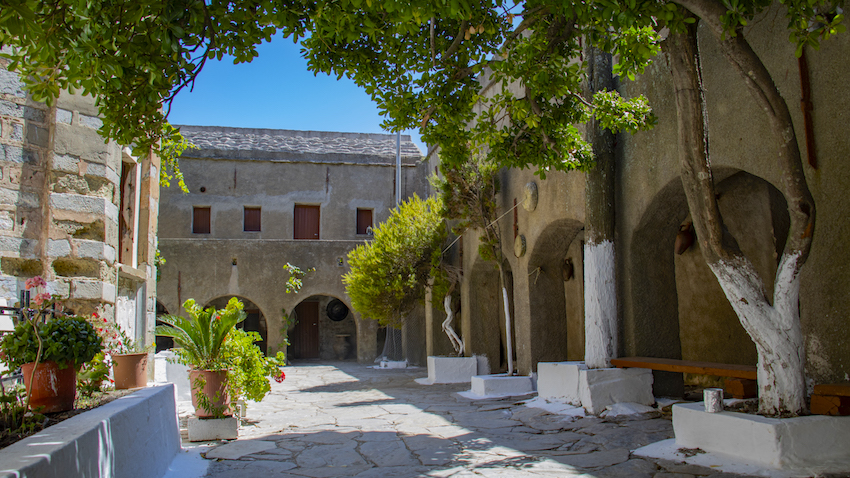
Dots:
{"x": 201, "y": 220}
{"x": 252, "y": 219}
{"x": 364, "y": 221}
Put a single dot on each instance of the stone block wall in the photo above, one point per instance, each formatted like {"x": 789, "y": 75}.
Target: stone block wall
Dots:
{"x": 61, "y": 199}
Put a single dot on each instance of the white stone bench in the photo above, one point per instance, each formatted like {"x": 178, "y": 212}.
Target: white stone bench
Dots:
{"x": 135, "y": 436}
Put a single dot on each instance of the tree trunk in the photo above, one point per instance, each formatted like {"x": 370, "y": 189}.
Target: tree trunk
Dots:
{"x": 775, "y": 329}
{"x": 600, "y": 298}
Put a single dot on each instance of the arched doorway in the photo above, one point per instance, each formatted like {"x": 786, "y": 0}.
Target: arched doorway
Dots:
{"x": 323, "y": 327}
{"x": 484, "y": 319}
{"x": 556, "y": 293}
{"x": 254, "y": 321}
{"x": 679, "y": 309}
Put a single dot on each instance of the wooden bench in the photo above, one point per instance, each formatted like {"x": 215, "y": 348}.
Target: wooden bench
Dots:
{"x": 831, "y": 399}
{"x": 740, "y": 382}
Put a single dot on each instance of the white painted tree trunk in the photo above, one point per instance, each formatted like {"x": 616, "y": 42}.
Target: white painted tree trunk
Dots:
{"x": 775, "y": 329}
{"x": 508, "y": 338}
{"x": 457, "y": 343}
{"x": 600, "y": 305}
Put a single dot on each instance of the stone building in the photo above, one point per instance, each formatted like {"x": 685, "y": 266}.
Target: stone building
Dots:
{"x": 77, "y": 210}
{"x": 260, "y": 199}
{"x": 671, "y": 305}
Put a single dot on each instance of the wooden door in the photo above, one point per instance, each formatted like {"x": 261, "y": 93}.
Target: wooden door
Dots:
{"x": 306, "y": 331}
{"x": 306, "y": 222}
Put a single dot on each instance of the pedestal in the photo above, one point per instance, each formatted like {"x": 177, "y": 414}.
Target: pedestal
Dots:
{"x": 213, "y": 428}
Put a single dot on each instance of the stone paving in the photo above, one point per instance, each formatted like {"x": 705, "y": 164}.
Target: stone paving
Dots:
{"x": 343, "y": 419}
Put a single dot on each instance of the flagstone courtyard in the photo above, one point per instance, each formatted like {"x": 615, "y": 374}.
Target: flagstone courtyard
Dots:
{"x": 342, "y": 419}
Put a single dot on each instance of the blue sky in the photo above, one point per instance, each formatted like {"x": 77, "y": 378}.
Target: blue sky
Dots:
{"x": 276, "y": 91}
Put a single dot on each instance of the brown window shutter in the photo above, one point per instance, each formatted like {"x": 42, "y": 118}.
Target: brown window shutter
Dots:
{"x": 201, "y": 220}
{"x": 306, "y": 222}
{"x": 364, "y": 220}
{"x": 252, "y": 219}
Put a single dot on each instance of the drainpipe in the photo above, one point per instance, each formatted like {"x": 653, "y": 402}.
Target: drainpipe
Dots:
{"x": 398, "y": 168}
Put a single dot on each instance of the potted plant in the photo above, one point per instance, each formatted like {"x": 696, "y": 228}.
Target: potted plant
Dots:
{"x": 225, "y": 364}
{"x": 200, "y": 339}
{"x": 129, "y": 358}
{"x": 49, "y": 348}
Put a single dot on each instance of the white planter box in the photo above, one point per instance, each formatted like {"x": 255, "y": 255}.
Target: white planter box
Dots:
{"x": 213, "y": 428}
{"x": 814, "y": 443}
{"x": 559, "y": 381}
{"x": 451, "y": 369}
{"x": 593, "y": 389}
{"x": 601, "y": 387}
{"x": 135, "y": 436}
{"x": 500, "y": 385}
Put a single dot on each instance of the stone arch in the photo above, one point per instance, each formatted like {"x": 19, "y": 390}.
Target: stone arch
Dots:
{"x": 679, "y": 309}
{"x": 334, "y": 339}
{"x": 482, "y": 333}
{"x": 254, "y": 322}
{"x": 556, "y": 293}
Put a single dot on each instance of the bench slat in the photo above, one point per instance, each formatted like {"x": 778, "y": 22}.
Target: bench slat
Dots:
{"x": 687, "y": 366}
{"x": 835, "y": 389}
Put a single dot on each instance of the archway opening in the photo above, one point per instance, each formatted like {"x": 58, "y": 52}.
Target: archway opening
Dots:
{"x": 255, "y": 321}
{"x": 680, "y": 311}
{"x": 556, "y": 293}
{"x": 323, "y": 327}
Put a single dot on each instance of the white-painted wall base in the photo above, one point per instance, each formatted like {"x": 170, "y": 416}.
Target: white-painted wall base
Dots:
{"x": 213, "y": 428}
{"x": 601, "y": 387}
{"x": 483, "y": 364}
{"x": 500, "y": 385}
{"x": 135, "y": 436}
{"x": 166, "y": 371}
{"x": 814, "y": 444}
{"x": 451, "y": 369}
{"x": 559, "y": 381}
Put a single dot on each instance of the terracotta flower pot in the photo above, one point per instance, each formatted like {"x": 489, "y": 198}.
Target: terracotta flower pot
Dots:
{"x": 53, "y": 389}
{"x": 130, "y": 370}
{"x": 214, "y": 389}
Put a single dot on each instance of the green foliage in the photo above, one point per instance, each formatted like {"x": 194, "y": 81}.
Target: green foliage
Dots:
{"x": 15, "y": 421}
{"x": 66, "y": 340}
{"x": 171, "y": 146}
{"x": 296, "y": 277}
{"x": 389, "y": 273}
{"x": 158, "y": 262}
{"x": 92, "y": 375}
{"x": 200, "y": 337}
{"x": 423, "y": 62}
{"x": 249, "y": 370}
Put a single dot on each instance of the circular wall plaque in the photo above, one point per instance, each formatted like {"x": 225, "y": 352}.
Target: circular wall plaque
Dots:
{"x": 519, "y": 246}
{"x": 530, "y": 202}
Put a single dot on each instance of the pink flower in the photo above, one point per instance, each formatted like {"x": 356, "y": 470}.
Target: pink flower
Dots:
{"x": 41, "y": 298}
{"x": 36, "y": 281}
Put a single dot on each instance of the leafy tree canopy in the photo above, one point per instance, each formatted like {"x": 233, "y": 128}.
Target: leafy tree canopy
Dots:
{"x": 424, "y": 62}
{"x": 389, "y": 273}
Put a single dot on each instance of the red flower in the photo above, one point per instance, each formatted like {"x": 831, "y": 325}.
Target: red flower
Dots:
{"x": 280, "y": 378}
{"x": 94, "y": 314}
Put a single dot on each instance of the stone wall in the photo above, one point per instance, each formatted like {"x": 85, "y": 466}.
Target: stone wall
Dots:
{"x": 62, "y": 197}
